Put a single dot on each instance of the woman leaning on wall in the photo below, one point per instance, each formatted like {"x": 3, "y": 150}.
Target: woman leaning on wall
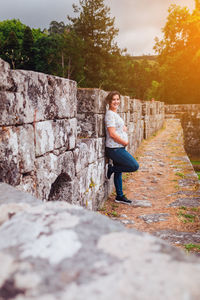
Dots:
{"x": 116, "y": 142}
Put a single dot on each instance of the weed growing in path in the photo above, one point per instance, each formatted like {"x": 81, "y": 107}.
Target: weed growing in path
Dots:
{"x": 189, "y": 247}
{"x": 185, "y": 218}
{"x": 180, "y": 174}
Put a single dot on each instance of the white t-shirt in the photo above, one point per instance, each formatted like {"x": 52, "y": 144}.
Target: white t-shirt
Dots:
{"x": 112, "y": 119}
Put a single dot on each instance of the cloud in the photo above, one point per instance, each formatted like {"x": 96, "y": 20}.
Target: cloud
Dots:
{"x": 37, "y": 13}
{"x": 139, "y": 21}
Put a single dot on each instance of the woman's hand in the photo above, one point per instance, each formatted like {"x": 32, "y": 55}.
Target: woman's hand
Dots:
{"x": 116, "y": 137}
{"x": 125, "y": 129}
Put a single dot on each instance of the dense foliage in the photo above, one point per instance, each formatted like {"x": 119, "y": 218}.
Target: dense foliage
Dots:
{"x": 179, "y": 56}
{"x": 85, "y": 50}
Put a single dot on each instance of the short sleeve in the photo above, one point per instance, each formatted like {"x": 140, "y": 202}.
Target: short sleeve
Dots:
{"x": 110, "y": 120}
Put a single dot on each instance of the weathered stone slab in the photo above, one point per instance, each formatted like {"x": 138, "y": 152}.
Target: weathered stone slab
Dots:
{"x": 17, "y": 152}
{"x": 188, "y": 182}
{"x": 188, "y": 202}
{"x": 102, "y": 194}
{"x": 181, "y": 158}
{"x": 127, "y": 221}
{"x": 78, "y": 252}
{"x": 141, "y": 203}
{"x": 154, "y": 218}
{"x": 51, "y": 135}
{"x": 37, "y": 97}
{"x": 81, "y": 157}
{"x": 6, "y": 83}
{"x": 45, "y": 138}
{"x": 124, "y": 106}
{"x": 51, "y": 168}
{"x": 93, "y": 187}
{"x": 91, "y": 100}
{"x": 193, "y": 193}
{"x": 178, "y": 237}
{"x": 100, "y": 148}
{"x": 88, "y": 151}
{"x": 71, "y": 129}
{"x": 15, "y": 109}
{"x": 9, "y": 194}
{"x": 28, "y": 183}
{"x": 90, "y": 125}
{"x": 65, "y": 98}
{"x": 190, "y": 122}
{"x": 26, "y": 148}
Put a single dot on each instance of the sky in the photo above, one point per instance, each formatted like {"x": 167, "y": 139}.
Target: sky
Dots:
{"x": 138, "y": 21}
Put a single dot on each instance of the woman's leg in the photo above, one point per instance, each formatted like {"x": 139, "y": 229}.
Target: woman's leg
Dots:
{"x": 123, "y": 160}
{"x": 118, "y": 184}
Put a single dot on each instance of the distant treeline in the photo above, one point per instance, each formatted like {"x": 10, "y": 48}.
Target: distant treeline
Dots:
{"x": 84, "y": 50}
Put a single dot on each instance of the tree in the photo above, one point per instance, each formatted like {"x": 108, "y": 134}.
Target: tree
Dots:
{"x": 14, "y": 25}
{"x": 46, "y": 56}
{"x": 27, "y": 50}
{"x": 179, "y": 56}
{"x": 56, "y": 27}
{"x": 96, "y": 29}
{"x": 197, "y": 5}
{"x": 12, "y": 50}
{"x": 72, "y": 49}
{"x": 17, "y": 47}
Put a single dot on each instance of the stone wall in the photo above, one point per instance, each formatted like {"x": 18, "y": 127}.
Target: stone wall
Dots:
{"x": 58, "y": 251}
{"x": 189, "y": 115}
{"x": 53, "y": 137}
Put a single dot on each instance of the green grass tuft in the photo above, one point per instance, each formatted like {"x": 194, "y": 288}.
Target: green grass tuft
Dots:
{"x": 189, "y": 247}
{"x": 180, "y": 174}
{"x": 195, "y": 162}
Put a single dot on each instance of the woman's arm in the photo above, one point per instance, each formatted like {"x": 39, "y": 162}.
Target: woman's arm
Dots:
{"x": 116, "y": 137}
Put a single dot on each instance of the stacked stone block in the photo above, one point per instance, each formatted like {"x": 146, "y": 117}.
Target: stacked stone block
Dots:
{"x": 90, "y": 153}
{"x": 153, "y": 114}
{"x": 53, "y": 136}
{"x": 38, "y": 129}
{"x": 189, "y": 114}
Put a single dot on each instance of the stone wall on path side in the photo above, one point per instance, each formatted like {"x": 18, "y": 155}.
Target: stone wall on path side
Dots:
{"x": 189, "y": 114}
{"x": 53, "y": 138}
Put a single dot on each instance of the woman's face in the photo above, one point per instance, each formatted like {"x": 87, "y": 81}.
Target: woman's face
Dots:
{"x": 114, "y": 103}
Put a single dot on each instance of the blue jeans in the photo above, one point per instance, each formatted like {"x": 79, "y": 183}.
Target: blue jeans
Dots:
{"x": 122, "y": 162}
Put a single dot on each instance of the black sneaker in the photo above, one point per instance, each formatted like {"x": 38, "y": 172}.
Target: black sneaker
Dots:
{"x": 110, "y": 171}
{"x": 122, "y": 199}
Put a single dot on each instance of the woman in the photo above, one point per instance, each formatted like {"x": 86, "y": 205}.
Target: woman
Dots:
{"x": 116, "y": 141}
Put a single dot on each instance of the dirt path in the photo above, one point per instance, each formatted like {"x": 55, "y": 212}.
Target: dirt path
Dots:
{"x": 165, "y": 191}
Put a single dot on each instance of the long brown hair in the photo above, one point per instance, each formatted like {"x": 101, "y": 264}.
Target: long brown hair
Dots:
{"x": 110, "y": 95}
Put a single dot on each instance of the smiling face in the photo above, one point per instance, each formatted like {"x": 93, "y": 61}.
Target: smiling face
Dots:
{"x": 114, "y": 104}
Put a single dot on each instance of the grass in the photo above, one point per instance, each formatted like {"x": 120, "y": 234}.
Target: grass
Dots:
{"x": 125, "y": 176}
{"x": 92, "y": 184}
{"x": 177, "y": 186}
{"x": 180, "y": 174}
{"x": 110, "y": 212}
{"x": 195, "y": 162}
{"x": 186, "y": 218}
{"x": 114, "y": 205}
{"x": 198, "y": 174}
{"x": 183, "y": 207}
{"x": 114, "y": 214}
{"x": 189, "y": 247}
{"x": 194, "y": 208}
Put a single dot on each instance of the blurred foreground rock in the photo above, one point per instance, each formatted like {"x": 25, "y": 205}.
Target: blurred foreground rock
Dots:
{"x": 57, "y": 251}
